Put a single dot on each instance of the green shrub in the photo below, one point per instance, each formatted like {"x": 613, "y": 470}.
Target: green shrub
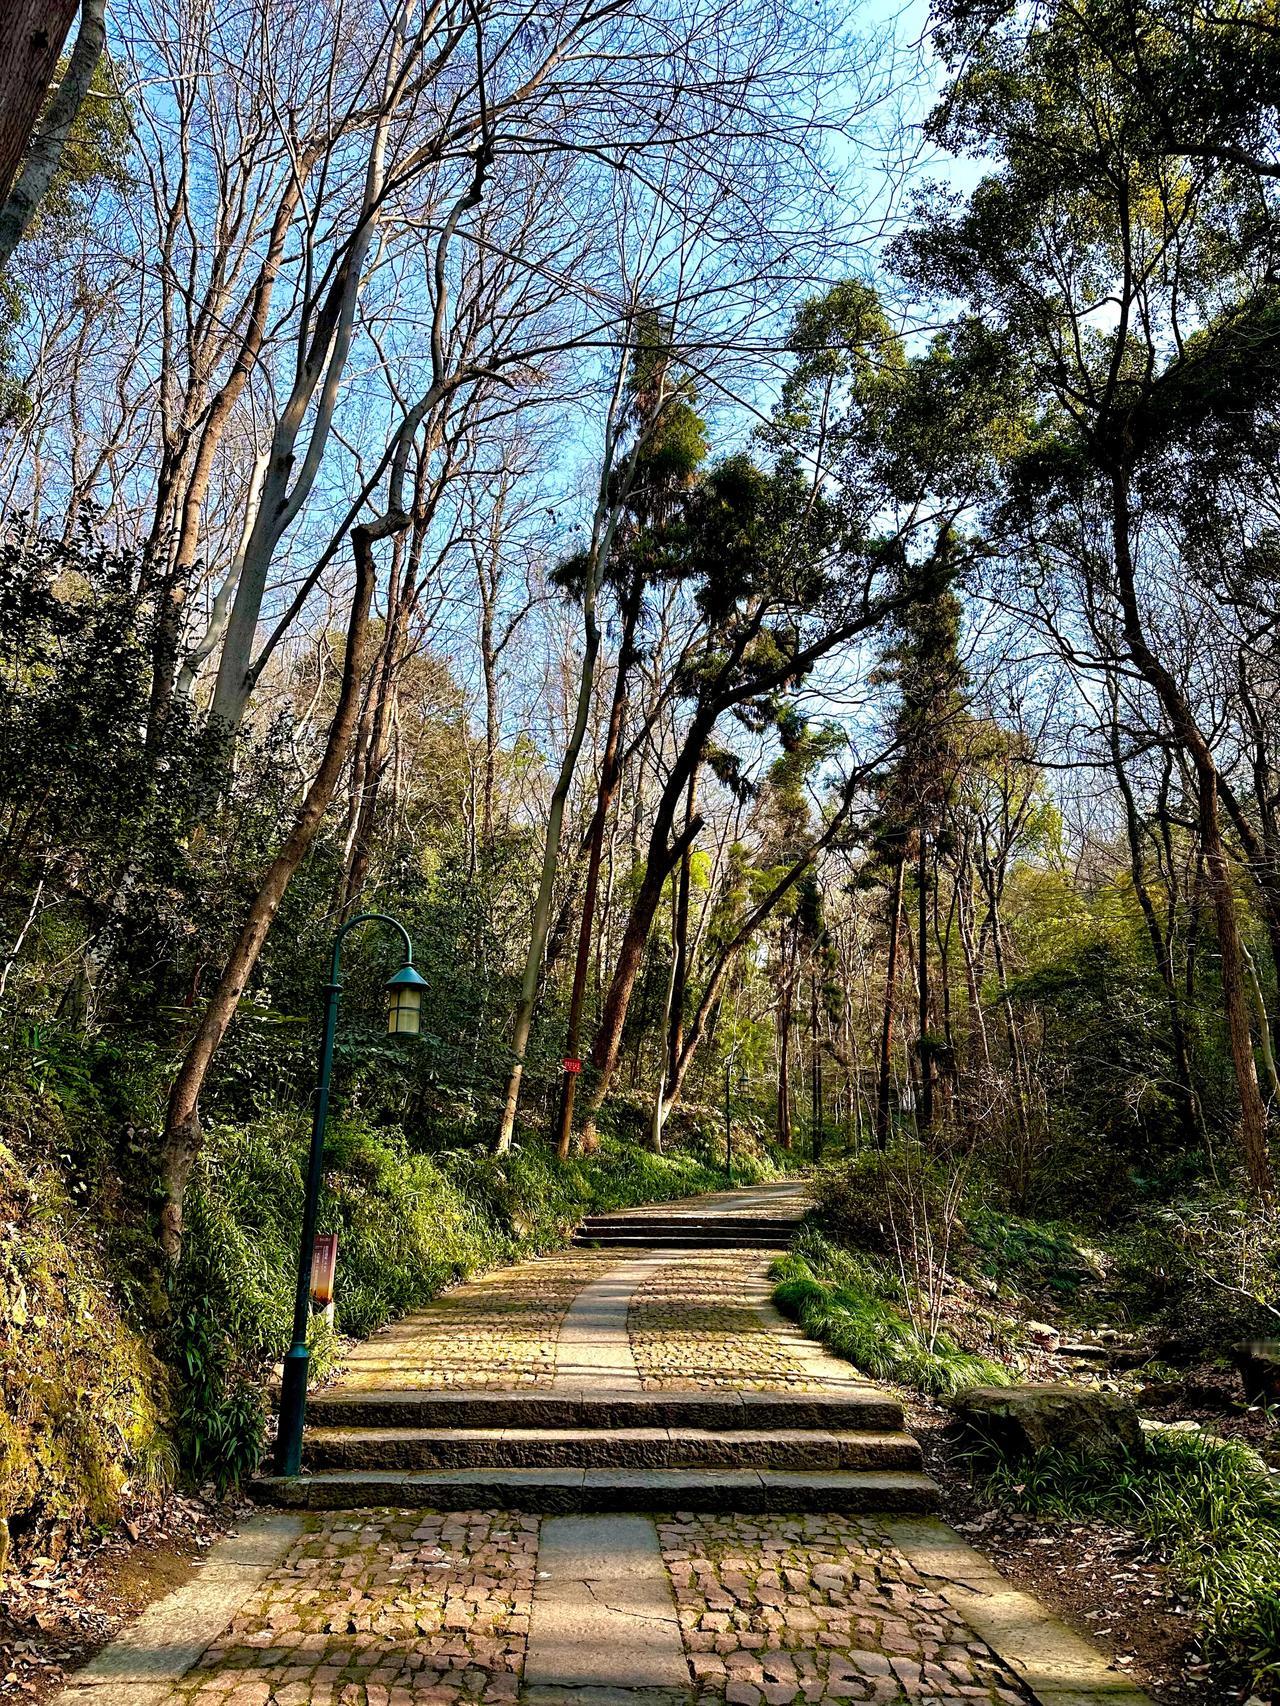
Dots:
{"x": 886, "y": 1200}
{"x": 1206, "y": 1267}
{"x": 853, "y": 1304}
{"x": 1212, "y": 1510}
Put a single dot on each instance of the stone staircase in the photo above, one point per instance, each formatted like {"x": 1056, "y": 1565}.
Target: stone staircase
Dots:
{"x": 684, "y": 1231}
{"x": 587, "y": 1450}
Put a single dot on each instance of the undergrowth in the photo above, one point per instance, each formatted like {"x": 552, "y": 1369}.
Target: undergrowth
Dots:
{"x": 856, "y": 1306}
{"x": 1028, "y": 1257}
{"x": 1211, "y": 1510}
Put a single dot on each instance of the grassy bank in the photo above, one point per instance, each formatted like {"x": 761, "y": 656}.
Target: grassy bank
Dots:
{"x": 855, "y": 1304}
{"x": 84, "y": 1399}
{"x": 866, "y": 1275}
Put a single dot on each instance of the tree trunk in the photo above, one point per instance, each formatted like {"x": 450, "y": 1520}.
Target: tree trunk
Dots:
{"x": 489, "y": 665}
{"x": 604, "y": 1054}
{"x": 657, "y": 1113}
{"x": 523, "y": 1022}
{"x": 610, "y": 775}
{"x": 782, "y": 1127}
{"x": 890, "y": 1003}
{"x": 815, "y": 1068}
{"x": 1161, "y": 945}
{"x": 325, "y": 337}
{"x": 699, "y": 1026}
{"x": 384, "y": 693}
{"x": 1235, "y": 998}
{"x": 927, "y": 1062}
{"x": 186, "y": 546}
{"x": 182, "y": 1135}
{"x": 31, "y": 36}
{"x": 680, "y": 941}
{"x": 1016, "y": 1071}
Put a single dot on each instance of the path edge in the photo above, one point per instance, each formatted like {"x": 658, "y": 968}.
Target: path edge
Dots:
{"x": 1058, "y": 1666}
{"x": 141, "y": 1665}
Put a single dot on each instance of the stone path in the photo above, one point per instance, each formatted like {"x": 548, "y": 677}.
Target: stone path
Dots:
{"x": 594, "y": 1342}
{"x": 487, "y": 1608}
{"x": 491, "y": 1334}
{"x": 819, "y": 1608}
{"x": 705, "y": 1322}
{"x": 699, "y": 1582}
{"x": 604, "y": 1615}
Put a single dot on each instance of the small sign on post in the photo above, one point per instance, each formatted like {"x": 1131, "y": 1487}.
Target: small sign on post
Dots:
{"x": 324, "y": 1267}
{"x": 572, "y": 1066}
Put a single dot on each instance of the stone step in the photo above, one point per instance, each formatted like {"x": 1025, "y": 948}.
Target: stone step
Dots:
{"x": 740, "y": 1230}
{"x": 852, "y": 1409}
{"x": 645, "y": 1240}
{"x": 748, "y": 1491}
{"x": 614, "y": 1448}
{"x": 738, "y": 1222}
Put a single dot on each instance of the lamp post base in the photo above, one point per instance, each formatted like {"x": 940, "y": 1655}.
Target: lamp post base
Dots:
{"x": 293, "y": 1406}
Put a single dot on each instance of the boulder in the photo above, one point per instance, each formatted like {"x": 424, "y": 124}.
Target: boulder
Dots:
{"x": 1020, "y": 1420}
{"x": 1257, "y": 1362}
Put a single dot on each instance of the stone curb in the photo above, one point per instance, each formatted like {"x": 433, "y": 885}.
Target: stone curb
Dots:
{"x": 556, "y": 1695}
{"x": 1060, "y": 1667}
{"x": 140, "y": 1666}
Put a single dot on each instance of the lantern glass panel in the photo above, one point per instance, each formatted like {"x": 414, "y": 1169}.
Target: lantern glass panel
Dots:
{"x": 404, "y": 1010}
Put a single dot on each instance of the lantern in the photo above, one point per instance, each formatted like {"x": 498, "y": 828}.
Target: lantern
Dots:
{"x": 404, "y": 1002}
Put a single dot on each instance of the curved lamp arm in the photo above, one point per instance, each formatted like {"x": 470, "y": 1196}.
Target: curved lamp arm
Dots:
{"x": 366, "y": 918}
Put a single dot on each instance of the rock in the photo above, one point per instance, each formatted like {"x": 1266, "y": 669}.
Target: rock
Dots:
{"x": 1257, "y": 1362}
{"x": 1044, "y": 1334}
{"x": 1084, "y": 1351}
{"x": 1019, "y": 1420}
{"x": 1158, "y": 1394}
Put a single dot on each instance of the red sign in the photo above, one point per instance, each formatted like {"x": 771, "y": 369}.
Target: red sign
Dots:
{"x": 573, "y": 1066}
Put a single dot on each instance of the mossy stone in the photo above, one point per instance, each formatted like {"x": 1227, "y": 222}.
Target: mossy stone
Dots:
{"x": 1018, "y": 1421}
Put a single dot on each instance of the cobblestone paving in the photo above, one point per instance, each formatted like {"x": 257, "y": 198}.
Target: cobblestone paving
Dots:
{"x": 695, "y": 1324}
{"x": 382, "y": 1608}
{"x": 491, "y": 1334}
{"x": 819, "y": 1609}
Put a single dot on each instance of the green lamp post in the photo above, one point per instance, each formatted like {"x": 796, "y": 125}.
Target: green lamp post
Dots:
{"x": 404, "y": 1010}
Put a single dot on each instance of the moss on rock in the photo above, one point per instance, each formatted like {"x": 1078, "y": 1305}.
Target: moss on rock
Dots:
{"x": 82, "y": 1396}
